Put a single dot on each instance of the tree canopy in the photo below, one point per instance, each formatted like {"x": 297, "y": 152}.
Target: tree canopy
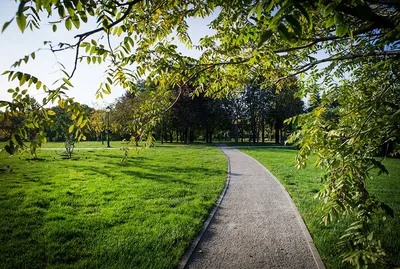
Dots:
{"x": 350, "y": 48}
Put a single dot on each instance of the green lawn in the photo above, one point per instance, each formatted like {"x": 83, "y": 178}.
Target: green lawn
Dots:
{"x": 302, "y": 186}
{"x": 116, "y": 144}
{"x": 91, "y": 211}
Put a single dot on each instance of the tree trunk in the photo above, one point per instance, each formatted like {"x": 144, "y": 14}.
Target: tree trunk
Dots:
{"x": 236, "y": 132}
{"x": 191, "y": 136}
{"x": 276, "y": 135}
{"x": 187, "y": 135}
{"x": 262, "y": 130}
{"x": 270, "y": 133}
{"x": 177, "y": 135}
{"x": 170, "y": 136}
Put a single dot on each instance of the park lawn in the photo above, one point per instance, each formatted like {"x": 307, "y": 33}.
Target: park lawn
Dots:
{"x": 302, "y": 186}
{"x": 115, "y": 144}
{"x": 92, "y": 211}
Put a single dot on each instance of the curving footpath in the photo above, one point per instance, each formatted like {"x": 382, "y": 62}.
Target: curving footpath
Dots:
{"x": 255, "y": 226}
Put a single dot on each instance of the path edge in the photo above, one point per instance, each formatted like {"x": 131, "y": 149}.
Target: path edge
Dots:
{"x": 317, "y": 258}
{"x": 189, "y": 252}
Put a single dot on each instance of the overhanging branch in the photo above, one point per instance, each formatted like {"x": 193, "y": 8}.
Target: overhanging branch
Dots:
{"x": 308, "y": 66}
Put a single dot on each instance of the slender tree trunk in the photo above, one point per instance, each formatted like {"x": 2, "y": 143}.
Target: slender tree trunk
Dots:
{"x": 276, "y": 135}
{"x": 177, "y": 135}
{"x": 262, "y": 130}
{"x": 191, "y": 136}
{"x": 170, "y": 136}
{"x": 187, "y": 135}
{"x": 236, "y": 132}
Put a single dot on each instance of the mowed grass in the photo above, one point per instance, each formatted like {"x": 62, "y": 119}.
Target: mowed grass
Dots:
{"x": 91, "y": 211}
{"x": 115, "y": 144}
{"x": 303, "y": 184}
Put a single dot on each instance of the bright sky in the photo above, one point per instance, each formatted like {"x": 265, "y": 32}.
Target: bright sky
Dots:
{"x": 14, "y": 45}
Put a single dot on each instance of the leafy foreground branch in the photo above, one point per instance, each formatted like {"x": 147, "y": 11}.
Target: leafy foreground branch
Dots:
{"x": 358, "y": 41}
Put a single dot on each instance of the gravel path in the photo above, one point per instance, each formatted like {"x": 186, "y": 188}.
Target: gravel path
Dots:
{"x": 256, "y": 225}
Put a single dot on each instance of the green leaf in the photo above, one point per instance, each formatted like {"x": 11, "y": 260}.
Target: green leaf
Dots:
{"x": 338, "y": 18}
{"x": 264, "y": 37}
{"x": 305, "y": 13}
{"x": 54, "y": 28}
{"x": 61, "y": 11}
{"x": 71, "y": 128}
{"x": 18, "y": 140}
{"x": 71, "y": 11}
{"x": 108, "y": 87}
{"x": 68, "y": 82}
{"x": 285, "y": 33}
{"x": 329, "y": 9}
{"x": 76, "y": 22}
{"x": 6, "y": 24}
{"x": 79, "y": 122}
{"x": 342, "y": 30}
{"x": 330, "y": 22}
{"x": 279, "y": 15}
{"x": 294, "y": 23}
{"x": 68, "y": 24}
{"x": 21, "y": 21}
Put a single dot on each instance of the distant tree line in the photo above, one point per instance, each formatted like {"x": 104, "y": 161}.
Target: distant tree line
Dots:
{"x": 252, "y": 115}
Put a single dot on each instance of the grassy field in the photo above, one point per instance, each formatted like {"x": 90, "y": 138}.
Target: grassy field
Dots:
{"x": 115, "y": 144}
{"x": 119, "y": 144}
{"x": 302, "y": 186}
{"x": 91, "y": 211}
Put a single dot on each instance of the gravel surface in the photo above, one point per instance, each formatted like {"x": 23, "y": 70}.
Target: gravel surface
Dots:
{"x": 256, "y": 225}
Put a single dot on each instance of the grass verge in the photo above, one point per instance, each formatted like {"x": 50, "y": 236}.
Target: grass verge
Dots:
{"x": 302, "y": 186}
{"x": 91, "y": 211}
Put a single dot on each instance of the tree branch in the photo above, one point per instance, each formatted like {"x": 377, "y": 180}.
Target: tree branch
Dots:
{"x": 128, "y": 10}
{"x": 76, "y": 58}
{"x": 326, "y": 38}
{"x": 308, "y": 66}
{"x": 383, "y": 22}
